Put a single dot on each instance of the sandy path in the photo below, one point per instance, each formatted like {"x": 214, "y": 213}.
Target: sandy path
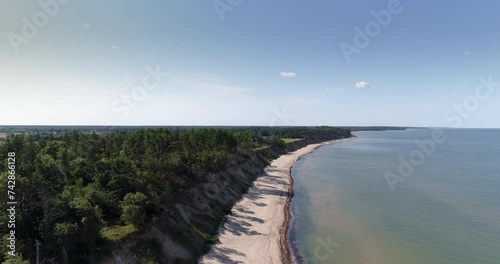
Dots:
{"x": 252, "y": 232}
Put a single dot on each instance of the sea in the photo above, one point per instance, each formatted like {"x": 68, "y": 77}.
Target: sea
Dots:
{"x": 414, "y": 196}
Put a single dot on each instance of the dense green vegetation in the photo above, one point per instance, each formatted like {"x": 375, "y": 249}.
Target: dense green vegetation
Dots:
{"x": 81, "y": 191}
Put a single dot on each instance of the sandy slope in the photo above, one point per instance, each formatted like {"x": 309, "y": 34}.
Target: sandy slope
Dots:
{"x": 252, "y": 232}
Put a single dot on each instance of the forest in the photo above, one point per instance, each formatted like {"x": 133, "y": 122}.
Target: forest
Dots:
{"x": 79, "y": 191}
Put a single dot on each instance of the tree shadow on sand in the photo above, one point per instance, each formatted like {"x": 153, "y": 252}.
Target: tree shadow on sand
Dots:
{"x": 223, "y": 255}
{"x": 241, "y": 220}
{"x": 241, "y": 224}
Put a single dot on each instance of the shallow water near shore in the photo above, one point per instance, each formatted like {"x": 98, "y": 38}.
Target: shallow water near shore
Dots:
{"x": 447, "y": 211}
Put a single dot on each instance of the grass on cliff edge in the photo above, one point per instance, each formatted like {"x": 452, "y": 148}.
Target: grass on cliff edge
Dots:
{"x": 290, "y": 140}
{"x": 286, "y": 140}
{"x": 117, "y": 232}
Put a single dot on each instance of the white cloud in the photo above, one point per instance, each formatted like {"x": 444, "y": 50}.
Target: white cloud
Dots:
{"x": 466, "y": 53}
{"x": 87, "y": 25}
{"x": 115, "y": 47}
{"x": 363, "y": 85}
{"x": 288, "y": 74}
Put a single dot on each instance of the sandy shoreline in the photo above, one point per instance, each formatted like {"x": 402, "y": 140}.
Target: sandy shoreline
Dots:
{"x": 257, "y": 229}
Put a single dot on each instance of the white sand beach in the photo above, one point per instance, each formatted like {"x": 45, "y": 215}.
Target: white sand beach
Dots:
{"x": 252, "y": 232}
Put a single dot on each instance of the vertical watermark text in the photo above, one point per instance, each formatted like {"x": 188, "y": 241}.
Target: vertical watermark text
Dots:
{"x": 11, "y": 204}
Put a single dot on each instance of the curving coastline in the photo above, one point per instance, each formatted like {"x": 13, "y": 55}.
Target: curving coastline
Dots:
{"x": 257, "y": 230}
{"x": 287, "y": 254}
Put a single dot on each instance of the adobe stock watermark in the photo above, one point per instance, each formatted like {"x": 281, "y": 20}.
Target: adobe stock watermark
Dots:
{"x": 282, "y": 117}
{"x": 464, "y": 110}
{"x": 323, "y": 251}
{"x": 363, "y": 37}
{"x": 31, "y": 26}
{"x": 223, "y": 6}
{"x": 407, "y": 165}
{"x": 122, "y": 106}
{"x": 455, "y": 115}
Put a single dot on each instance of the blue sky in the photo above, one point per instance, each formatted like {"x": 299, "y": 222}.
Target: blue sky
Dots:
{"x": 265, "y": 63}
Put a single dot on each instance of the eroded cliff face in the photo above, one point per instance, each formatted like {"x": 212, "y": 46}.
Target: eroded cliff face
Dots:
{"x": 191, "y": 225}
{"x": 186, "y": 232}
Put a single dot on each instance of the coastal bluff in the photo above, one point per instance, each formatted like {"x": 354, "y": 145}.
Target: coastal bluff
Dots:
{"x": 189, "y": 229}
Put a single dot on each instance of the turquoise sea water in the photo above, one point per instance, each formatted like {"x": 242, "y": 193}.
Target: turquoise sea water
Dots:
{"x": 447, "y": 211}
